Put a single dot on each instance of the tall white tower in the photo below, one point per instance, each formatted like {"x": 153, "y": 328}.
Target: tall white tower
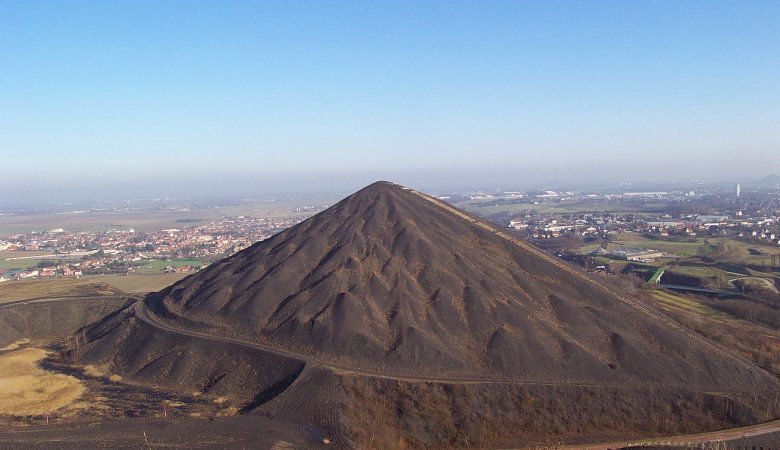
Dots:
{"x": 738, "y": 189}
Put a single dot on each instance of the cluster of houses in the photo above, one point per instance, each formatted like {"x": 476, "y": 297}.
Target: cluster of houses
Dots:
{"x": 66, "y": 271}
{"x": 64, "y": 253}
{"x": 630, "y": 253}
{"x": 541, "y": 227}
{"x": 538, "y": 226}
{"x": 763, "y": 229}
{"x": 212, "y": 239}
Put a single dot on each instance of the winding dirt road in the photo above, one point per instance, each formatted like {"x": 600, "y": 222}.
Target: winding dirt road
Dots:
{"x": 35, "y": 301}
{"x": 143, "y": 314}
{"x": 767, "y": 283}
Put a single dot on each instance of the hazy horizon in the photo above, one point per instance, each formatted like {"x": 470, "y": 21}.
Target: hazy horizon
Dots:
{"x": 327, "y": 187}
{"x": 120, "y": 100}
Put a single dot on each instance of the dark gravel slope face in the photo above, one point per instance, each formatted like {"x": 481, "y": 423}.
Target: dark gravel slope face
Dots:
{"x": 53, "y": 320}
{"x": 387, "y": 280}
{"x": 122, "y": 344}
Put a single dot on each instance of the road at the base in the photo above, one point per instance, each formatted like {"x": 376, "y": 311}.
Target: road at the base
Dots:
{"x": 688, "y": 440}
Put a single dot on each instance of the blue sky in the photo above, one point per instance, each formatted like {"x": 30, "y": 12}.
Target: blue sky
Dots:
{"x": 101, "y": 94}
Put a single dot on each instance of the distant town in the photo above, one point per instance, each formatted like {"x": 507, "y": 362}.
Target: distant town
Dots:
{"x": 715, "y": 240}
{"x": 748, "y": 217}
{"x": 602, "y": 225}
{"x": 72, "y": 253}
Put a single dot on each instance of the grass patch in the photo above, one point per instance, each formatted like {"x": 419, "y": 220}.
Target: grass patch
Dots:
{"x": 140, "y": 282}
{"x": 16, "y": 259}
{"x": 58, "y": 287}
{"x": 156, "y": 265}
{"x": 738, "y": 252}
{"x": 668, "y": 299}
{"x": 678, "y": 248}
{"x": 744, "y": 326}
{"x": 28, "y": 390}
{"x": 700, "y": 272}
{"x": 15, "y": 345}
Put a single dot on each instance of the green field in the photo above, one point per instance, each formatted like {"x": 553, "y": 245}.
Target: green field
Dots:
{"x": 698, "y": 247}
{"x": 717, "y": 249}
{"x": 739, "y": 252}
{"x": 21, "y": 263}
{"x": 27, "y": 261}
{"x": 675, "y": 248}
{"x": 722, "y": 249}
{"x": 151, "y": 266}
{"x": 17, "y": 264}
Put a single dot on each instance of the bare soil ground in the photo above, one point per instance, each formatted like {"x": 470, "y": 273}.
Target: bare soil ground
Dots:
{"x": 213, "y": 433}
{"x": 49, "y": 321}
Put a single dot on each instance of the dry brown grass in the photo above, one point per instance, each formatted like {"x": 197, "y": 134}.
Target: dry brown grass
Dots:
{"x": 11, "y": 291}
{"x": 28, "y": 390}
{"x": 94, "y": 370}
{"x": 139, "y": 283}
{"x": 229, "y": 411}
{"x": 15, "y": 345}
{"x": 746, "y": 326}
{"x": 394, "y": 414}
